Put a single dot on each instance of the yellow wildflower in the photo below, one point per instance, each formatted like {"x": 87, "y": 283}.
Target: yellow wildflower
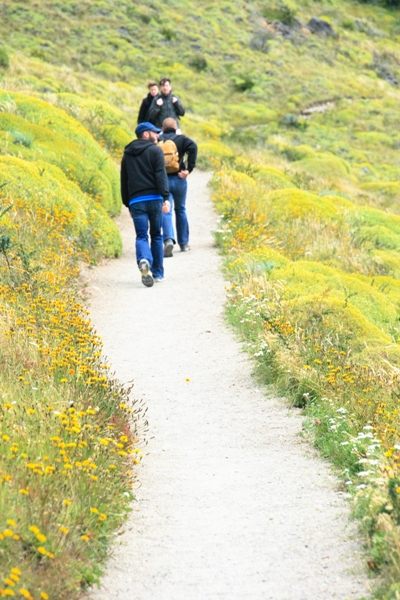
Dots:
{"x": 34, "y": 529}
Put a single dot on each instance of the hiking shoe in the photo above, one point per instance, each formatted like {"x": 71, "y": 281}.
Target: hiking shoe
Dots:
{"x": 147, "y": 277}
{"x": 185, "y": 247}
{"x": 168, "y": 248}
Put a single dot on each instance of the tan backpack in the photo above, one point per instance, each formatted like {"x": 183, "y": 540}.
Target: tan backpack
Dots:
{"x": 171, "y": 155}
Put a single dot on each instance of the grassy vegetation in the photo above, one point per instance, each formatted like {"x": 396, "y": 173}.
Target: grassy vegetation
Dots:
{"x": 301, "y": 131}
{"x": 67, "y": 438}
{"x": 323, "y": 328}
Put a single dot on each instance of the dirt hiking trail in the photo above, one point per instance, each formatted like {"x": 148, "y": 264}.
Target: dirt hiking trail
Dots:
{"x": 231, "y": 503}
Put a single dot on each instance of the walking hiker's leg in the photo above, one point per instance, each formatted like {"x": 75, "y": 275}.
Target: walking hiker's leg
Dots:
{"x": 167, "y": 223}
{"x": 141, "y": 223}
{"x": 182, "y": 224}
{"x": 156, "y": 237}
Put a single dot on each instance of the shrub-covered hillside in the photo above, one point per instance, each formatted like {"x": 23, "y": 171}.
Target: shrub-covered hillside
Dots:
{"x": 295, "y": 108}
{"x": 320, "y": 74}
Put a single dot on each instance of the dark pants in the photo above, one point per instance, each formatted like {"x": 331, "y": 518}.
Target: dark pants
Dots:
{"x": 177, "y": 197}
{"x": 149, "y": 214}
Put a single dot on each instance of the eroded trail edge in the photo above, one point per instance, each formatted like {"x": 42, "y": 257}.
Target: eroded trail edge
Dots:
{"x": 232, "y": 504}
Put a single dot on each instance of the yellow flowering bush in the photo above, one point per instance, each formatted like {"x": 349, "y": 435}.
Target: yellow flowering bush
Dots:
{"x": 68, "y": 430}
{"x": 273, "y": 178}
{"x": 316, "y": 294}
{"x": 210, "y": 153}
{"x": 67, "y": 438}
{"x": 38, "y": 130}
{"x": 45, "y": 186}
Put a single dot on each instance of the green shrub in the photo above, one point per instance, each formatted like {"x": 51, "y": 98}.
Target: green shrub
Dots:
{"x": 284, "y": 12}
{"x": 4, "y": 59}
{"x": 289, "y": 204}
{"x": 326, "y": 166}
{"x": 243, "y": 83}
{"x": 273, "y": 178}
{"x": 61, "y": 140}
{"x": 25, "y": 139}
{"x": 294, "y": 153}
{"x": 198, "y": 62}
{"x": 108, "y": 70}
{"x": 210, "y": 153}
{"x": 47, "y": 187}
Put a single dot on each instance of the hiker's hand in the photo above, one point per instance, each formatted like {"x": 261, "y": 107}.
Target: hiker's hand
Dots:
{"x": 183, "y": 174}
{"x": 174, "y": 99}
{"x": 160, "y": 102}
{"x": 166, "y": 206}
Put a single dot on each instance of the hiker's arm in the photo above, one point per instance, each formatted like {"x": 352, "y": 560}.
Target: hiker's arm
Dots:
{"x": 180, "y": 111}
{"x": 124, "y": 183}
{"x": 190, "y": 148}
{"x": 142, "y": 111}
{"x": 154, "y": 109}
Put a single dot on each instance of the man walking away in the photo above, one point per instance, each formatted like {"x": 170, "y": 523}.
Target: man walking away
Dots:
{"x": 165, "y": 105}
{"x": 146, "y": 102}
{"x": 178, "y": 188}
{"x": 144, "y": 190}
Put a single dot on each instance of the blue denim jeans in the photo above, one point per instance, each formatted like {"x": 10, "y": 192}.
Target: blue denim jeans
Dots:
{"x": 177, "y": 197}
{"x": 145, "y": 214}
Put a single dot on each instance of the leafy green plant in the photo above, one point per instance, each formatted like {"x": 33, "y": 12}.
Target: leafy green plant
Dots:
{"x": 4, "y": 59}
{"x": 198, "y": 62}
{"x": 243, "y": 83}
{"x": 286, "y": 13}
{"x": 23, "y": 138}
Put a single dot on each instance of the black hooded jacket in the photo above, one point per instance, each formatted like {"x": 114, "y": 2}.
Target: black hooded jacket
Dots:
{"x": 144, "y": 108}
{"x": 185, "y": 147}
{"x": 157, "y": 114}
{"x": 143, "y": 171}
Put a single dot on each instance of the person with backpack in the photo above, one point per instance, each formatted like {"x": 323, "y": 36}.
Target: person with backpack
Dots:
{"x": 144, "y": 190}
{"x": 146, "y": 102}
{"x": 165, "y": 105}
{"x": 177, "y": 149}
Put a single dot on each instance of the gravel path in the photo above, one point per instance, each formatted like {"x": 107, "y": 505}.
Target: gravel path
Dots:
{"x": 232, "y": 504}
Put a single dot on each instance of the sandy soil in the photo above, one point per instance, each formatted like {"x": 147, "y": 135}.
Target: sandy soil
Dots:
{"x": 232, "y": 504}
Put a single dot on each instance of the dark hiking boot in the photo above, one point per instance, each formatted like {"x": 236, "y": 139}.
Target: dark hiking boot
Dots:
{"x": 168, "y": 248}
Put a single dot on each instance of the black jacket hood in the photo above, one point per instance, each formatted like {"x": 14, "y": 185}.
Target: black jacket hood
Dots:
{"x": 136, "y": 147}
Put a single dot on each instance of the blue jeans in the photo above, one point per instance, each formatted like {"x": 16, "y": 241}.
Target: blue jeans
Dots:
{"x": 177, "y": 197}
{"x": 143, "y": 214}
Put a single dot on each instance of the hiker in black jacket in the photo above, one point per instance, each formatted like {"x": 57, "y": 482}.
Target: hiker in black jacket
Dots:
{"x": 143, "y": 115}
{"x": 144, "y": 190}
{"x": 178, "y": 188}
{"x": 165, "y": 105}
